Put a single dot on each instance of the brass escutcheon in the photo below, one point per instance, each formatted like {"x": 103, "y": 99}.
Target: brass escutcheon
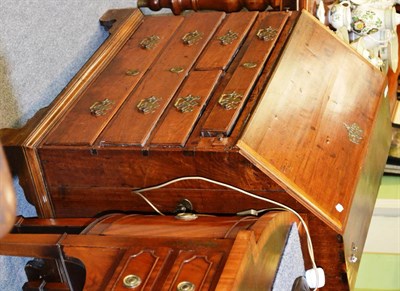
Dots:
{"x": 187, "y": 104}
{"x": 249, "y": 65}
{"x": 355, "y": 132}
{"x": 192, "y": 38}
{"x": 132, "y": 72}
{"x": 132, "y": 281}
{"x": 101, "y": 107}
{"x": 148, "y": 105}
{"x": 176, "y": 70}
{"x": 228, "y": 38}
{"x": 150, "y": 42}
{"x": 267, "y": 34}
{"x": 230, "y": 100}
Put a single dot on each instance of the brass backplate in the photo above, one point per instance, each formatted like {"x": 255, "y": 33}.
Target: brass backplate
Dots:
{"x": 228, "y": 38}
{"x": 187, "y": 104}
{"x": 355, "y": 132}
{"x": 101, "y": 107}
{"x": 150, "y": 42}
{"x": 148, "y": 105}
{"x": 267, "y": 34}
{"x": 192, "y": 38}
{"x": 230, "y": 100}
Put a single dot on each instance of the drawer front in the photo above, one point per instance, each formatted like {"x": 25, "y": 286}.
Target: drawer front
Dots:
{"x": 195, "y": 269}
{"x": 137, "y": 119}
{"x": 84, "y": 122}
{"x": 227, "y": 40}
{"x": 139, "y": 269}
{"x": 230, "y": 103}
{"x": 186, "y": 109}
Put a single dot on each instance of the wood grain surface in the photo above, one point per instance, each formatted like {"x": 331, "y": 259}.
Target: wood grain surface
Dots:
{"x": 298, "y": 134}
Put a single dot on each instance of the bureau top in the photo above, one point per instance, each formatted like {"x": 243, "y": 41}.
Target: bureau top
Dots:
{"x": 176, "y": 81}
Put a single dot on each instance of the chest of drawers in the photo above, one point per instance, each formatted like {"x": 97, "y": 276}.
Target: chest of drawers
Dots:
{"x": 269, "y": 102}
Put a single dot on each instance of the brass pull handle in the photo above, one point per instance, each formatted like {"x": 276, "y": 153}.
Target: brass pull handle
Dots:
{"x": 148, "y": 105}
{"x": 228, "y": 38}
{"x": 101, "y": 107}
{"x": 192, "y": 38}
{"x": 187, "y": 104}
{"x": 150, "y": 42}
{"x": 132, "y": 281}
{"x": 249, "y": 65}
{"x": 185, "y": 286}
{"x": 230, "y": 100}
{"x": 177, "y": 70}
{"x": 267, "y": 34}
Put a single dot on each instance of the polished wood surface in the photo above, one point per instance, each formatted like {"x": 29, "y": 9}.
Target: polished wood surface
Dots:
{"x": 177, "y": 7}
{"x": 221, "y": 120}
{"x": 298, "y": 133}
{"x": 176, "y": 127}
{"x": 156, "y": 161}
{"x": 84, "y": 180}
{"x": 130, "y": 57}
{"x": 228, "y": 6}
{"x": 217, "y": 56}
{"x": 224, "y": 254}
{"x": 132, "y": 127}
{"x": 297, "y": 153}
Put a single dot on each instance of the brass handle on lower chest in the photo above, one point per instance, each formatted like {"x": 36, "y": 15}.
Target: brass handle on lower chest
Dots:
{"x": 132, "y": 281}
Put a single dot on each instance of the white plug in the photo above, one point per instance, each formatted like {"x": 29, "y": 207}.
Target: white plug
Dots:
{"x": 311, "y": 277}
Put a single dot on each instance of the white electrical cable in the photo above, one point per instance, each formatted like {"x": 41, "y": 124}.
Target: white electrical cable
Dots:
{"x": 148, "y": 202}
{"x": 309, "y": 242}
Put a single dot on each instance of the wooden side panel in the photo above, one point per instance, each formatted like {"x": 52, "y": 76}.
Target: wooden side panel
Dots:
{"x": 231, "y": 102}
{"x": 219, "y": 52}
{"x": 79, "y": 126}
{"x": 367, "y": 190}
{"x": 187, "y": 107}
{"x": 311, "y": 130}
{"x": 132, "y": 126}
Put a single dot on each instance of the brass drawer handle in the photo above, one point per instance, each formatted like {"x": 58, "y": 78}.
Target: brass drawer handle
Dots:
{"x": 187, "y": 104}
{"x": 132, "y": 281}
{"x": 228, "y": 38}
{"x": 176, "y": 70}
{"x": 101, "y": 107}
{"x": 192, "y": 38}
{"x": 148, "y": 105}
{"x": 150, "y": 42}
{"x": 132, "y": 72}
{"x": 230, "y": 100}
{"x": 267, "y": 34}
{"x": 249, "y": 65}
{"x": 185, "y": 286}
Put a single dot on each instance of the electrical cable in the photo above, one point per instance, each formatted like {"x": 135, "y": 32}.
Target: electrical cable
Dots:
{"x": 172, "y": 181}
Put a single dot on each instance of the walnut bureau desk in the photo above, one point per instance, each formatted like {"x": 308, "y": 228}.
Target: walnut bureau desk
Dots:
{"x": 268, "y": 102}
